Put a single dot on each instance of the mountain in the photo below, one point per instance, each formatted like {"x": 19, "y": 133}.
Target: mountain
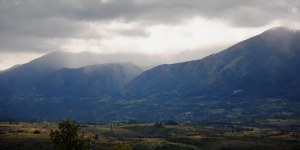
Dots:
{"x": 266, "y": 65}
{"x": 25, "y": 77}
{"x": 58, "y": 70}
{"x": 95, "y": 80}
{"x": 258, "y": 78}
{"x": 57, "y": 60}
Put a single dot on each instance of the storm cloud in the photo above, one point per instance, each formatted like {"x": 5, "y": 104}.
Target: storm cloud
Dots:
{"x": 50, "y": 25}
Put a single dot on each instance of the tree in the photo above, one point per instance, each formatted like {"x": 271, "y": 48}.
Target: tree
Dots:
{"x": 158, "y": 125}
{"x": 68, "y": 138}
{"x": 171, "y": 122}
{"x": 122, "y": 146}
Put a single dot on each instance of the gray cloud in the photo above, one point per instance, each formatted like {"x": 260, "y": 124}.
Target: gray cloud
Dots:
{"x": 41, "y": 25}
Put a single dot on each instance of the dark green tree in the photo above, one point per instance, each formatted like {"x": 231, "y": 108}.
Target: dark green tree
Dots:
{"x": 122, "y": 146}
{"x": 68, "y": 138}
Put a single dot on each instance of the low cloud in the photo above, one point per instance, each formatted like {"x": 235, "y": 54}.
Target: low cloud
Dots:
{"x": 42, "y": 26}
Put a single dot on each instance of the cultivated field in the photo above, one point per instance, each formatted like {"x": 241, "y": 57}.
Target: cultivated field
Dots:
{"x": 265, "y": 134}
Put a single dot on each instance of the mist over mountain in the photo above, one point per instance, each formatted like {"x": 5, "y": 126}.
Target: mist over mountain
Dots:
{"x": 25, "y": 78}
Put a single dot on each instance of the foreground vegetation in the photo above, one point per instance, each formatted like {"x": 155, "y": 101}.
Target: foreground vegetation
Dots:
{"x": 264, "y": 134}
{"x": 67, "y": 137}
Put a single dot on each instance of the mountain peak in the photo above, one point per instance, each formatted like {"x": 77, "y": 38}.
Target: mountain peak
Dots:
{"x": 283, "y": 38}
{"x": 281, "y": 31}
{"x": 280, "y": 28}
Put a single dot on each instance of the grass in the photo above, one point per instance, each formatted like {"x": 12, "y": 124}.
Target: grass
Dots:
{"x": 148, "y": 136}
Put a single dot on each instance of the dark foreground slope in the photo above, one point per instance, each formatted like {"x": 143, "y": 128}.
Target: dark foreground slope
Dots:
{"x": 266, "y": 65}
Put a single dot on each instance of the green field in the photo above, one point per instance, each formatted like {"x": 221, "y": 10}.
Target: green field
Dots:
{"x": 265, "y": 134}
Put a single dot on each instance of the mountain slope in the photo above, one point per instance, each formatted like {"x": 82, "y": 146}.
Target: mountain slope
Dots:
{"x": 96, "y": 80}
{"x": 48, "y": 74}
{"x": 264, "y": 65}
{"x": 25, "y": 77}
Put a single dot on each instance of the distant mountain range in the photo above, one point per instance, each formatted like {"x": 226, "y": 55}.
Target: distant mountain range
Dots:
{"x": 262, "y": 67}
{"x": 95, "y": 80}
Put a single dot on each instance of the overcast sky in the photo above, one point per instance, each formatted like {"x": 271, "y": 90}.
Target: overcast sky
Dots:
{"x": 31, "y": 28}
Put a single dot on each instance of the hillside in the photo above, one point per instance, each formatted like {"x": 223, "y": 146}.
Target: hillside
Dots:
{"x": 51, "y": 72}
{"x": 95, "y": 80}
{"x": 266, "y": 65}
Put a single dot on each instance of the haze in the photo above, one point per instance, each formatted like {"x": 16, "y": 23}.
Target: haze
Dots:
{"x": 171, "y": 29}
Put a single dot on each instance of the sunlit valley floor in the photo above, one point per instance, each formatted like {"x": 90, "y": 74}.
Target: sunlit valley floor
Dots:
{"x": 261, "y": 134}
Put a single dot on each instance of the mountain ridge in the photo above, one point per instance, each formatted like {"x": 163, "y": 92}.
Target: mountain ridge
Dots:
{"x": 253, "y": 55}
{"x": 94, "y": 80}
{"x": 42, "y": 79}
{"x": 255, "y": 78}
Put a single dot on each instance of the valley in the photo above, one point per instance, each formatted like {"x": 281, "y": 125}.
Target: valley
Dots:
{"x": 245, "y": 97}
{"x": 107, "y": 109}
{"x": 149, "y": 75}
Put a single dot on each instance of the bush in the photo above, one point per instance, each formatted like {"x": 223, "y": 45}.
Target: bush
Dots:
{"x": 158, "y": 125}
{"x": 171, "y": 122}
{"x": 36, "y": 132}
{"x": 122, "y": 146}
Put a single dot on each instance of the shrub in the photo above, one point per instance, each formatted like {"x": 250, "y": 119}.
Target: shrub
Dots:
{"x": 122, "y": 146}
{"x": 158, "y": 125}
{"x": 171, "y": 122}
{"x": 36, "y": 132}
